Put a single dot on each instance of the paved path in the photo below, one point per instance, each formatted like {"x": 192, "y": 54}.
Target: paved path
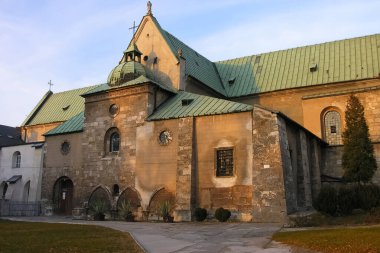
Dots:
{"x": 191, "y": 237}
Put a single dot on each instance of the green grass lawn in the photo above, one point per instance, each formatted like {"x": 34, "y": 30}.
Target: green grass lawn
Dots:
{"x": 25, "y": 237}
{"x": 345, "y": 240}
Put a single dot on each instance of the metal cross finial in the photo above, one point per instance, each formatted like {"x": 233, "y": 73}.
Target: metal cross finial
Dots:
{"x": 133, "y": 28}
{"x": 149, "y": 6}
{"x": 50, "y": 84}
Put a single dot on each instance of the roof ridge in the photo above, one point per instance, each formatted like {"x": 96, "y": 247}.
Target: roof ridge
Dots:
{"x": 77, "y": 89}
{"x": 305, "y": 46}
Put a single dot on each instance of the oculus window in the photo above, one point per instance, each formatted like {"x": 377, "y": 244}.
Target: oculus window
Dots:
{"x": 113, "y": 109}
{"x": 225, "y": 162}
{"x": 165, "y": 137}
{"x": 65, "y": 147}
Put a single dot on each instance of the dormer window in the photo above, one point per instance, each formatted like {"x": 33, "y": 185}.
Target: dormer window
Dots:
{"x": 313, "y": 67}
{"x": 186, "y": 102}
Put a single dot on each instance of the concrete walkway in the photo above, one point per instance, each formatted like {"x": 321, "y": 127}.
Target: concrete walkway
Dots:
{"x": 191, "y": 237}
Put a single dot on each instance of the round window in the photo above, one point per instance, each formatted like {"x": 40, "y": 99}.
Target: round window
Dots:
{"x": 114, "y": 109}
{"x": 65, "y": 147}
{"x": 165, "y": 137}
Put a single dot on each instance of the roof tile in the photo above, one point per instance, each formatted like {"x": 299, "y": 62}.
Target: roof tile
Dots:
{"x": 336, "y": 61}
{"x": 201, "y": 105}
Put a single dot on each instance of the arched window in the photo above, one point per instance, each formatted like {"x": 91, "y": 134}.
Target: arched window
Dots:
{"x": 332, "y": 127}
{"x": 16, "y": 159}
{"x": 114, "y": 142}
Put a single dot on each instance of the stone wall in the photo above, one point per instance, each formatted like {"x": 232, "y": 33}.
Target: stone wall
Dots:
{"x": 268, "y": 200}
{"x": 333, "y": 162}
{"x": 305, "y": 105}
{"x": 184, "y": 169}
{"x": 232, "y": 192}
{"x": 57, "y": 165}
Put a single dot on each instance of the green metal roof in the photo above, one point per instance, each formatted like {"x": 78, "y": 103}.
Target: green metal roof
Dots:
{"x": 133, "y": 48}
{"x": 137, "y": 81}
{"x": 186, "y": 104}
{"x": 37, "y": 107}
{"x": 337, "y": 61}
{"x": 198, "y": 66}
{"x": 73, "y": 125}
{"x": 58, "y": 107}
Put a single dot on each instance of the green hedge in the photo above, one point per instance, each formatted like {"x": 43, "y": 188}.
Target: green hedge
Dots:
{"x": 343, "y": 201}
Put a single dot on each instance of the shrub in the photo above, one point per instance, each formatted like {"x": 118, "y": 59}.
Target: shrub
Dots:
{"x": 200, "y": 214}
{"x": 346, "y": 200}
{"x": 368, "y": 196}
{"x": 125, "y": 210}
{"x": 165, "y": 209}
{"x": 327, "y": 200}
{"x": 222, "y": 214}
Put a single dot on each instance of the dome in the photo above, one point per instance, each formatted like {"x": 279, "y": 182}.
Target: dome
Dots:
{"x": 124, "y": 72}
{"x": 129, "y": 68}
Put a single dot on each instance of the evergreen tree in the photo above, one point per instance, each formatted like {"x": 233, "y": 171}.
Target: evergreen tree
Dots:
{"x": 358, "y": 161}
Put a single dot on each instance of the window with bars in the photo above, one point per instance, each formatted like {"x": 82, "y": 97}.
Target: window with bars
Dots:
{"x": 332, "y": 127}
{"x": 225, "y": 162}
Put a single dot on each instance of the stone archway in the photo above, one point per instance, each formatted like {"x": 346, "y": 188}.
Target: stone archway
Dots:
{"x": 100, "y": 196}
{"x": 131, "y": 196}
{"x": 63, "y": 192}
{"x": 158, "y": 198}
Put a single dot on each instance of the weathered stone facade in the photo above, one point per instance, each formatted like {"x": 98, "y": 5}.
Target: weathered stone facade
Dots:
{"x": 273, "y": 140}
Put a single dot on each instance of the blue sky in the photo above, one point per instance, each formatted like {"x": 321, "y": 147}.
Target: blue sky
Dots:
{"x": 77, "y": 43}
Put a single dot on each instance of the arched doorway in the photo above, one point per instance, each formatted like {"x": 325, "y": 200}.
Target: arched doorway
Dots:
{"x": 63, "y": 196}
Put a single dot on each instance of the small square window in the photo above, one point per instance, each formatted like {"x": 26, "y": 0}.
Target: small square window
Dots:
{"x": 333, "y": 129}
{"x": 225, "y": 162}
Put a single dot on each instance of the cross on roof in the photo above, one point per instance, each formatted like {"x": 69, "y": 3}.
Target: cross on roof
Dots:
{"x": 50, "y": 84}
{"x": 134, "y": 28}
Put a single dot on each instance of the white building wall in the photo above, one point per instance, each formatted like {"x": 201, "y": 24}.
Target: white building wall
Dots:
{"x": 30, "y": 170}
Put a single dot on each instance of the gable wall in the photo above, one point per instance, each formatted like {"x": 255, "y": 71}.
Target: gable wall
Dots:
{"x": 151, "y": 43}
{"x": 33, "y": 133}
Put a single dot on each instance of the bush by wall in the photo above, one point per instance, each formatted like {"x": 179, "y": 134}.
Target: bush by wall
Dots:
{"x": 200, "y": 214}
{"x": 347, "y": 200}
{"x": 368, "y": 196}
{"x": 222, "y": 214}
{"x": 327, "y": 200}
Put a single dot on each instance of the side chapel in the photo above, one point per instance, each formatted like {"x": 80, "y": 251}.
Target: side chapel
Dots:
{"x": 258, "y": 135}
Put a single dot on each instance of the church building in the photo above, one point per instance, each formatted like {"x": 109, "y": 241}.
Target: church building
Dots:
{"x": 257, "y": 135}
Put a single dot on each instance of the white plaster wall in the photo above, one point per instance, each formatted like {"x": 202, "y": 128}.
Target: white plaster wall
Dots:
{"x": 30, "y": 170}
